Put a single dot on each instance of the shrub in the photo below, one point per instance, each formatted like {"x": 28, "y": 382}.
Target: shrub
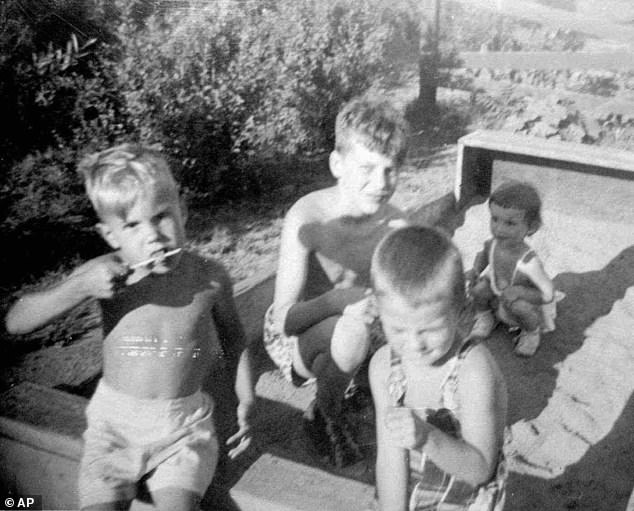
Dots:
{"x": 61, "y": 98}
{"x": 223, "y": 87}
{"x": 224, "y": 90}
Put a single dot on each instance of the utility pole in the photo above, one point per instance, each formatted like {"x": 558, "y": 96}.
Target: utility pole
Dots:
{"x": 429, "y": 59}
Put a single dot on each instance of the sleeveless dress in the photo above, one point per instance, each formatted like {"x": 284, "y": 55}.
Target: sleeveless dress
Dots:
{"x": 432, "y": 489}
{"x": 525, "y": 265}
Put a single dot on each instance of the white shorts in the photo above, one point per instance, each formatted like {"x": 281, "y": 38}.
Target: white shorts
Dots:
{"x": 166, "y": 442}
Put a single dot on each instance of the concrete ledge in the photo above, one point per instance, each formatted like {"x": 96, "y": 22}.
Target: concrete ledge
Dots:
{"x": 40, "y": 443}
{"x": 478, "y": 150}
{"x": 253, "y": 296}
{"x": 276, "y": 484}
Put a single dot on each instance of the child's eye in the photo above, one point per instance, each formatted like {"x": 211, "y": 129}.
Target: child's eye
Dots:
{"x": 130, "y": 225}
{"x": 163, "y": 215}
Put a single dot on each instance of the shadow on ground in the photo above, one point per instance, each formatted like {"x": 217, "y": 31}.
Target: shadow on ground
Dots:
{"x": 603, "y": 478}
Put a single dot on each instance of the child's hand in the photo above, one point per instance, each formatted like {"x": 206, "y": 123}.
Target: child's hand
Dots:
{"x": 103, "y": 276}
{"x": 512, "y": 293}
{"x": 364, "y": 309}
{"x": 406, "y": 428}
{"x": 470, "y": 278}
{"x": 242, "y": 436}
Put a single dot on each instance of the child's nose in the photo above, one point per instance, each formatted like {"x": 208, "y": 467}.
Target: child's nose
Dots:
{"x": 416, "y": 341}
{"x": 498, "y": 230}
{"x": 378, "y": 179}
{"x": 154, "y": 232}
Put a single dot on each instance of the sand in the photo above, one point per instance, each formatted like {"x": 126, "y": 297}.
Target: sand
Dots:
{"x": 572, "y": 406}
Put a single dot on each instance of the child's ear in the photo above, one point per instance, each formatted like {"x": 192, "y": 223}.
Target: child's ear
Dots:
{"x": 335, "y": 164}
{"x": 106, "y": 233}
{"x": 533, "y": 228}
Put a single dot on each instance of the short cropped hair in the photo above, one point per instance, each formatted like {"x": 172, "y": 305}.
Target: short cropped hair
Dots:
{"x": 376, "y": 124}
{"x": 117, "y": 177}
{"x": 519, "y": 195}
{"x": 415, "y": 261}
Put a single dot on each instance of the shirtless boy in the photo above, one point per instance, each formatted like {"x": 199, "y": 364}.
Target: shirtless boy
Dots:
{"x": 167, "y": 313}
{"x": 312, "y": 330}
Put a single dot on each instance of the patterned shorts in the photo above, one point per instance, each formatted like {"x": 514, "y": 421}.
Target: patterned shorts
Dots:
{"x": 280, "y": 347}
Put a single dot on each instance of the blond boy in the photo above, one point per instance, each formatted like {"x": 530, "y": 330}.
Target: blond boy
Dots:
{"x": 167, "y": 313}
{"x": 326, "y": 247}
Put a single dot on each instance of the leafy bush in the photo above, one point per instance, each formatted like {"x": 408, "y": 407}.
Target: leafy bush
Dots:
{"x": 224, "y": 87}
{"x": 46, "y": 217}
{"x": 61, "y": 98}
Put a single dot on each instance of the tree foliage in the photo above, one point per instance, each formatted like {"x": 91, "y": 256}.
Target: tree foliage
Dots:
{"x": 224, "y": 89}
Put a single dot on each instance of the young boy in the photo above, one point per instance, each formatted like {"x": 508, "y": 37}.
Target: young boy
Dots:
{"x": 167, "y": 314}
{"x": 440, "y": 400}
{"x": 508, "y": 279}
{"x": 311, "y": 330}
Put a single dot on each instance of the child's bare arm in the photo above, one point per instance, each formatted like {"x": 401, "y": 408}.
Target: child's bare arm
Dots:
{"x": 238, "y": 353}
{"x": 482, "y": 396}
{"x": 299, "y": 314}
{"x": 97, "y": 278}
{"x": 482, "y": 258}
{"x": 392, "y": 473}
{"x": 480, "y": 262}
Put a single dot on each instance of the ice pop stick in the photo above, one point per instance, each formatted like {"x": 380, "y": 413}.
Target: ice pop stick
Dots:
{"x": 155, "y": 259}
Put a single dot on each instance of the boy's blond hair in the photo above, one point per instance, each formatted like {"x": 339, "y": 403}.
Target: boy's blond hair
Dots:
{"x": 421, "y": 265}
{"x": 376, "y": 124}
{"x": 117, "y": 177}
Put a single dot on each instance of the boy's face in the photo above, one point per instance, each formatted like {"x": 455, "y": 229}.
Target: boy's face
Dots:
{"x": 422, "y": 334}
{"x": 366, "y": 178}
{"x": 153, "y": 226}
{"x": 508, "y": 225}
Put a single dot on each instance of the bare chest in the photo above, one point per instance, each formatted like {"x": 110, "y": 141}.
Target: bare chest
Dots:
{"x": 504, "y": 265}
{"x": 178, "y": 317}
{"x": 344, "y": 253}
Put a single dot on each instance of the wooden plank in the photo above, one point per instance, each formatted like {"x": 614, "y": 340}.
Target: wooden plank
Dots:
{"x": 630, "y": 504}
{"x": 551, "y": 149}
{"x": 276, "y": 484}
{"x": 48, "y": 418}
{"x": 558, "y": 18}
{"x": 547, "y": 60}
{"x": 478, "y": 150}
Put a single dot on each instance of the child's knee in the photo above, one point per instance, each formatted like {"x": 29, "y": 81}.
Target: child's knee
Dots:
{"x": 481, "y": 291}
{"x": 350, "y": 343}
{"x": 523, "y": 310}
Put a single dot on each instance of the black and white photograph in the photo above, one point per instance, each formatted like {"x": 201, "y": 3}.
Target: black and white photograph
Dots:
{"x": 334, "y": 255}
